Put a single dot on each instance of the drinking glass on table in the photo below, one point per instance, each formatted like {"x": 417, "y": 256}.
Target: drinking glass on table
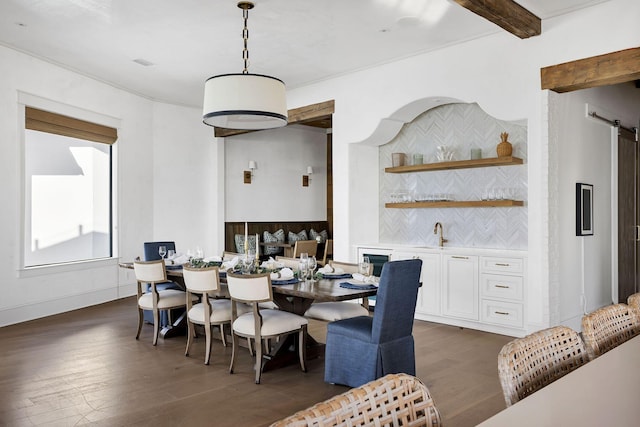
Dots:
{"x": 364, "y": 266}
{"x": 247, "y": 261}
{"x": 162, "y": 251}
{"x": 312, "y": 263}
{"x": 171, "y": 254}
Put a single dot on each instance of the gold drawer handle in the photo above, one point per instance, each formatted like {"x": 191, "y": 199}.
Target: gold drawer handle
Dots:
{"x": 499, "y": 264}
{"x": 459, "y": 257}
{"x": 502, "y": 313}
{"x": 502, "y": 286}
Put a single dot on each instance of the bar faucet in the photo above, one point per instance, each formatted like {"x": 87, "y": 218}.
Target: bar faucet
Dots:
{"x": 442, "y": 240}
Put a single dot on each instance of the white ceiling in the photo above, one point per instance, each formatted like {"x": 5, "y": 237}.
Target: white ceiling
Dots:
{"x": 187, "y": 41}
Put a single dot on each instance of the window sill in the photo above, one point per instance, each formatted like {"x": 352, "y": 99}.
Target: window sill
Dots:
{"x": 43, "y": 270}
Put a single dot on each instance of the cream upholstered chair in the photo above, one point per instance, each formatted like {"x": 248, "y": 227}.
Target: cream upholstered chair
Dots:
{"x": 228, "y": 256}
{"x": 261, "y": 324}
{"x": 395, "y": 399}
{"x": 305, "y": 246}
{"x": 328, "y": 252}
{"x": 608, "y": 327}
{"x": 204, "y": 283}
{"x": 634, "y": 301}
{"x": 338, "y": 310}
{"x": 152, "y": 273}
{"x": 291, "y": 263}
{"x": 525, "y": 365}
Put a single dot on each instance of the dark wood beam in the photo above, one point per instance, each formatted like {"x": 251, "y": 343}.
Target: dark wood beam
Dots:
{"x": 507, "y": 14}
{"x": 309, "y": 114}
{"x": 608, "y": 69}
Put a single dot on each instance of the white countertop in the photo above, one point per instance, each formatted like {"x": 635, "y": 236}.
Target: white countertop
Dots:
{"x": 444, "y": 250}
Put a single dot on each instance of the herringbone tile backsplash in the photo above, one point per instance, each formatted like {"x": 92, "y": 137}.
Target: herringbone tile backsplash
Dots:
{"x": 461, "y": 127}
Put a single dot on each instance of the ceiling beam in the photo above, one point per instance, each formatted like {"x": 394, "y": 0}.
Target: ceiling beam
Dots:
{"x": 299, "y": 116}
{"x": 506, "y": 14}
{"x": 608, "y": 69}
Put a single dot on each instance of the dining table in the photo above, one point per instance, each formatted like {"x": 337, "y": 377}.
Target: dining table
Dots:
{"x": 603, "y": 392}
{"x": 292, "y": 297}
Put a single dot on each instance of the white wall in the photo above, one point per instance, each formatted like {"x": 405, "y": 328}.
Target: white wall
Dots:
{"x": 582, "y": 153}
{"x": 502, "y": 74}
{"x": 276, "y": 192}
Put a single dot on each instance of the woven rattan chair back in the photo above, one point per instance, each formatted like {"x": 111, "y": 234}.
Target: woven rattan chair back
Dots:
{"x": 395, "y": 399}
{"x": 608, "y": 327}
{"x": 526, "y": 365}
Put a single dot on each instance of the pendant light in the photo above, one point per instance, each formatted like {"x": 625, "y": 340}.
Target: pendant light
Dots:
{"x": 243, "y": 100}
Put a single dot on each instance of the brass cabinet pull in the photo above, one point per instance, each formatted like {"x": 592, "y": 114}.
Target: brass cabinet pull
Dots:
{"x": 459, "y": 257}
{"x": 500, "y": 264}
{"x": 502, "y": 313}
{"x": 502, "y": 286}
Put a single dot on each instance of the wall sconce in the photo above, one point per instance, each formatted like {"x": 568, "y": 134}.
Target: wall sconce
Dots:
{"x": 248, "y": 175}
{"x": 306, "y": 179}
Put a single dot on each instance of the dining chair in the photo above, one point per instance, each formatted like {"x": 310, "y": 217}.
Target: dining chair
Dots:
{"x": 338, "y": 310}
{"x": 608, "y": 327}
{"x": 363, "y": 348}
{"x": 152, "y": 273}
{"x": 395, "y": 399}
{"x": 291, "y": 263}
{"x": 204, "y": 284}
{"x": 261, "y": 324}
{"x": 150, "y": 252}
{"x": 634, "y": 301}
{"x": 302, "y": 246}
{"x": 525, "y": 365}
{"x": 228, "y": 256}
{"x": 328, "y": 252}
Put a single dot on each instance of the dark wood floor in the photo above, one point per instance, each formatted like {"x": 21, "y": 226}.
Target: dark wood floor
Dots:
{"x": 85, "y": 367}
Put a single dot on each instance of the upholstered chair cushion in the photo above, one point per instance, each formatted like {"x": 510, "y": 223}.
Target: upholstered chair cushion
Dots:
{"x": 220, "y": 311}
{"x": 168, "y": 299}
{"x": 293, "y": 237}
{"x": 313, "y": 234}
{"x": 274, "y": 322}
{"x": 239, "y": 240}
{"x": 332, "y": 311}
{"x": 277, "y": 237}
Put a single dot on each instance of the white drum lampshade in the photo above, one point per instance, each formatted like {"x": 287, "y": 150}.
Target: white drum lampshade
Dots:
{"x": 245, "y": 101}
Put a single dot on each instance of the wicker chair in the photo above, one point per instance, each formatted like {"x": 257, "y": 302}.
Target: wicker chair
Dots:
{"x": 395, "y": 399}
{"x": 634, "y": 301}
{"x": 608, "y": 327}
{"x": 526, "y": 365}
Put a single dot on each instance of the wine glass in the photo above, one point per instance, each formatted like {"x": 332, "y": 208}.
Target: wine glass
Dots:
{"x": 171, "y": 254}
{"x": 312, "y": 263}
{"x": 247, "y": 262}
{"x": 364, "y": 266}
{"x": 303, "y": 268}
{"x": 162, "y": 251}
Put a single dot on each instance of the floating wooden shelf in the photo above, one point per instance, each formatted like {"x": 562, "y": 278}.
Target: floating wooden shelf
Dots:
{"x": 458, "y": 164}
{"x": 457, "y": 204}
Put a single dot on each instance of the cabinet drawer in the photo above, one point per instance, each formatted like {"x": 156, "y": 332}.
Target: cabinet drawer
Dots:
{"x": 502, "y": 265}
{"x": 501, "y": 286}
{"x": 502, "y": 313}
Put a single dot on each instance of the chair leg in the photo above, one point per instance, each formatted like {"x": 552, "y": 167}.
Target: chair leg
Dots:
{"x": 190, "y": 335}
{"x": 140, "y": 321}
{"x": 258, "y": 362}
{"x": 234, "y": 347}
{"x": 250, "y": 346}
{"x": 156, "y": 326}
{"x": 208, "y": 343}
{"x": 302, "y": 347}
{"x": 223, "y": 335}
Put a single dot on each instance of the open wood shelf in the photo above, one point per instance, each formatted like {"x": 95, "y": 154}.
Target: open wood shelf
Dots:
{"x": 457, "y": 204}
{"x": 458, "y": 164}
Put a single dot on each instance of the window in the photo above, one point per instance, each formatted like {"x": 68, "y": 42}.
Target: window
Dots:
{"x": 68, "y": 189}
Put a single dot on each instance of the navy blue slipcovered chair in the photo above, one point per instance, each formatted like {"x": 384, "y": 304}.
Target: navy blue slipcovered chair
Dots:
{"x": 364, "y": 348}
{"x": 151, "y": 254}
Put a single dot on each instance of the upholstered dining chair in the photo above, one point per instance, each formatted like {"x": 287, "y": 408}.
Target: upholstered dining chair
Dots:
{"x": 261, "y": 324}
{"x": 328, "y": 252}
{"x": 291, "y": 263}
{"x": 608, "y": 327}
{"x": 525, "y": 365}
{"x": 338, "y": 310}
{"x": 363, "y": 348}
{"x": 204, "y": 283}
{"x": 152, "y": 273}
{"x": 395, "y": 399}
{"x": 151, "y": 254}
{"x": 305, "y": 246}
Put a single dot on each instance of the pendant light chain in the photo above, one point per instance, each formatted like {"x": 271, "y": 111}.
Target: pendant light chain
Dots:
{"x": 245, "y": 38}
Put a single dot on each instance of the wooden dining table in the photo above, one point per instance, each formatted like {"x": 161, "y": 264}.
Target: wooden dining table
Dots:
{"x": 603, "y": 392}
{"x": 295, "y": 298}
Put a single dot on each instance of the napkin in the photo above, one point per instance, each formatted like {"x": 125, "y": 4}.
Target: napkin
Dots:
{"x": 348, "y": 285}
{"x": 230, "y": 264}
{"x": 271, "y": 264}
{"x": 362, "y": 278}
{"x": 213, "y": 258}
{"x": 327, "y": 269}
{"x": 179, "y": 259}
{"x": 284, "y": 274}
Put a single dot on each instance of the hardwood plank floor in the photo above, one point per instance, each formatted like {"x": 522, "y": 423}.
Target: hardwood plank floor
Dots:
{"x": 86, "y": 368}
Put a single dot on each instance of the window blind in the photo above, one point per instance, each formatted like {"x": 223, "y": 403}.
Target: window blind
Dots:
{"x": 45, "y": 121}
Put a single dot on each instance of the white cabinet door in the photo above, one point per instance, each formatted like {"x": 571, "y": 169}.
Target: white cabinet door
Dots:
{"x": 460, "y": 286}
{"x": 429, "y": 294}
